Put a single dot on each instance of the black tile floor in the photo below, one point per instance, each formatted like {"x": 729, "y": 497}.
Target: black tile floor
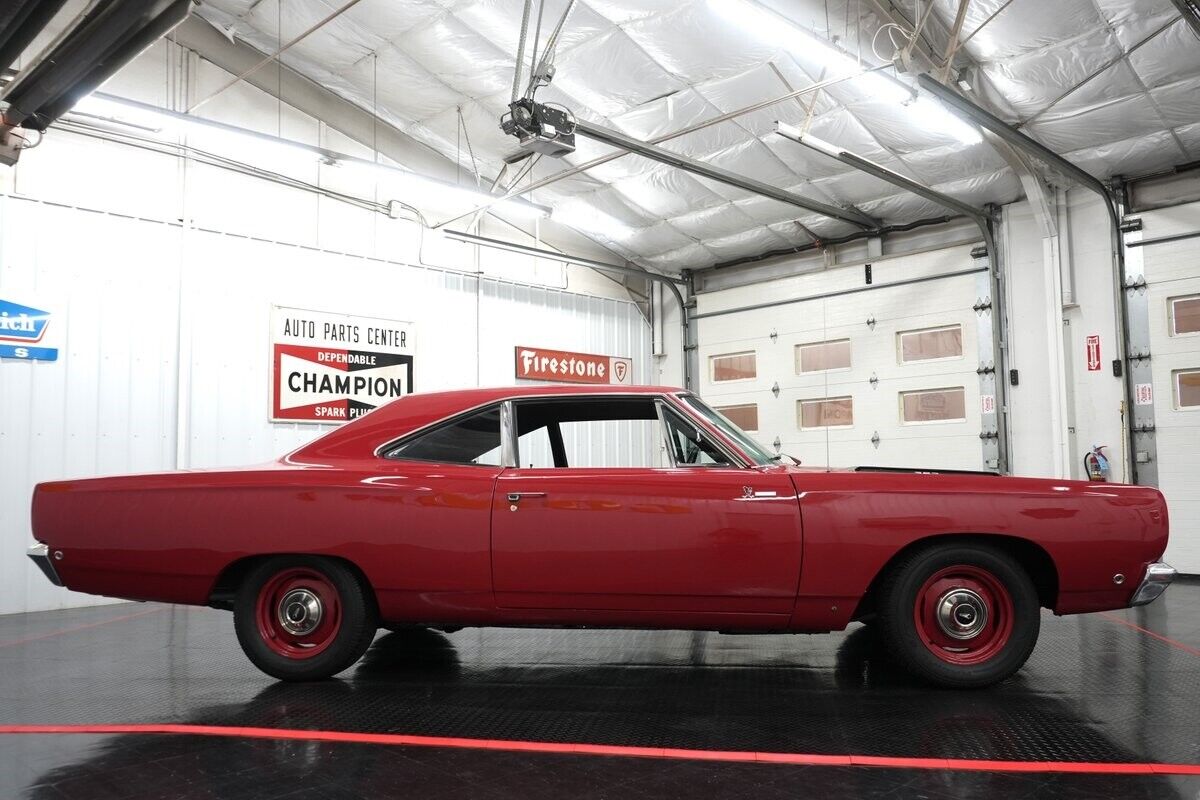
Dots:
{"x": 1095, "y": 690}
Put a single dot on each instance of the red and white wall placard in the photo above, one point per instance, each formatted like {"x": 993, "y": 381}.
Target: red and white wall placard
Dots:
{"x": 561, "y": 366}
{"x": 336, "y": 367}
{"x": 1092, "y": 351}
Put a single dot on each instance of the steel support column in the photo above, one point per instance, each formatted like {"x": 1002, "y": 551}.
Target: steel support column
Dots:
{"x": 1140, "y": 449}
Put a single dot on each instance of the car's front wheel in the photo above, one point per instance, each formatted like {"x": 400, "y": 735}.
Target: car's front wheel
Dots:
{"x": 303, "y": 618}
{"x": 959, "y": 615}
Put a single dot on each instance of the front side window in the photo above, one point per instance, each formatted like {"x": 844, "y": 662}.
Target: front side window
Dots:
{"x": 471, "y": 439}
{"x": 826, "y": 412}
{"x": 930, "y": 344}
{"x": 1185, "y": 314}
{"x": 689, "y": 446}
{"x": 733, "y": 367}
{"x": 1187, "y": 389}
{"x": 934, "y": 405}
{"x": 749, "y": 447}
{"x": 822, "y": 356}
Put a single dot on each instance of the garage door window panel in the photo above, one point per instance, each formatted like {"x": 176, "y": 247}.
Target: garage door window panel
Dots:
{"x": 1187, "y": 389}
{"x": 826, "y": 412}
{"x": 732, "y": 367}
{"x": 1185, "y": 315}
{"x": 930, "y": 344}
{"x": 829, "y": 356}
{"x": 744, "y": 416}
{"x": 933, "y": 406}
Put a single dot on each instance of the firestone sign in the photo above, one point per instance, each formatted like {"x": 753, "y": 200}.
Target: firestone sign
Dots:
{"x": 333, "y": 368}
{"x": 539, "y": 364}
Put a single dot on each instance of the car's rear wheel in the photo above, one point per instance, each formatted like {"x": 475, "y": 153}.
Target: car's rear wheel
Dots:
{"x": 959, "y": 615}
{"x": 303, "y": 618}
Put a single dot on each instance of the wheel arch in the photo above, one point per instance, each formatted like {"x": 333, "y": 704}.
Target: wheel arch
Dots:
{"x": 225, "y": 587}
{"x": 1034, "y": 558}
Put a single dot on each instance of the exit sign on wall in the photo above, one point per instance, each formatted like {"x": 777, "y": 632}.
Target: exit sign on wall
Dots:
{"x": 539, "y": 364}
{"x": 1092, "y": 351}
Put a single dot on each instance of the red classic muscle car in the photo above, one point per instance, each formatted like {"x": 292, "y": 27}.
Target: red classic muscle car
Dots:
{"x": 493, "y": 507}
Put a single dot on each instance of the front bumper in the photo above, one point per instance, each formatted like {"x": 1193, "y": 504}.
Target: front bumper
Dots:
{"x": 40, "y": 554}
{"x": 1158, "y": 578}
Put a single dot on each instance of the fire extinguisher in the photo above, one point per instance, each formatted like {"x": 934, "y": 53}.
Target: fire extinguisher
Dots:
{"x": 1095, "y": 464}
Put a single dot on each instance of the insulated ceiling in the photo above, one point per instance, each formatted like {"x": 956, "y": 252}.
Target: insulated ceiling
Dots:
{"x": 1112, "y": 84}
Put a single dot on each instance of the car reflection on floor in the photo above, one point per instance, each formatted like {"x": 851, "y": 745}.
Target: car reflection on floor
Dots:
{"x": 1095, "y": 691}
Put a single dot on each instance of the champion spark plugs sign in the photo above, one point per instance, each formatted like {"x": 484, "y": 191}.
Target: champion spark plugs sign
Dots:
{"x": 539, "y": 364}
{"x": 336, "y": 367}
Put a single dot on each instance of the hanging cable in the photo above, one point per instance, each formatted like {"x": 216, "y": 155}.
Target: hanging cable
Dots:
{"x": 545, "y": 68}
{"x": 519, "y": 67}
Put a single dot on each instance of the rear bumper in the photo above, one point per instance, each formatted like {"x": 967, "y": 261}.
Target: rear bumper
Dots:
{"x": 40, "y": 555}
{"x": 1158, "y": 577}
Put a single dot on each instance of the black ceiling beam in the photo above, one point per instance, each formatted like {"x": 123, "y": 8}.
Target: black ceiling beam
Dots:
{"x": 1191, "y": 13}
{"x": 20, "y": 23}
{"x": 103, "y": 42}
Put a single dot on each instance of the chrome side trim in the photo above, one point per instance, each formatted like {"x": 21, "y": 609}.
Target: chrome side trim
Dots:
{"x": 508, "y": 435}
{"x": 1158, "y": 578}
{"x": 40, "y": 555}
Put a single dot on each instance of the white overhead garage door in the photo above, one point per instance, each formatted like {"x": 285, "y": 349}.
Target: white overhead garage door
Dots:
{"x": 1172, "y": 272}
{"x": 845, "y": 374}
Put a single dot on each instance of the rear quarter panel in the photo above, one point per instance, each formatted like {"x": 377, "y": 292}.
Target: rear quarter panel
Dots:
{"x": 418, "y": 531}
{"x": 855, "y": 523}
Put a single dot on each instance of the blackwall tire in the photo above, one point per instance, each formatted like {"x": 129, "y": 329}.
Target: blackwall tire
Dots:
{"x": 303, "y": 618}
{"x": 959, "y": 615}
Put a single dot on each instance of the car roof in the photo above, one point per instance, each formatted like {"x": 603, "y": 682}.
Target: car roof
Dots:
{"x": 411, "y": 412}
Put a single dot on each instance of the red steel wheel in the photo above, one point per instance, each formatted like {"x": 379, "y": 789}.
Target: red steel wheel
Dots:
{"x": 304, "y": 618}
{"x": 963, "y": 614}
{"x": 298, "y": 613}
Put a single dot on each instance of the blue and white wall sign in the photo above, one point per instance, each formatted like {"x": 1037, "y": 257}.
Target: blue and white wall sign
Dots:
{"x": 22, "y": 327}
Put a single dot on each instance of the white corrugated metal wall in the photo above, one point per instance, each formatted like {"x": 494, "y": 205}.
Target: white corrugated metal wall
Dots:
{"x": 110, "y": 404}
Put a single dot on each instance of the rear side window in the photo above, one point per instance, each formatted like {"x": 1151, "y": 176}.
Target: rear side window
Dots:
{"x": 474, "y": 439}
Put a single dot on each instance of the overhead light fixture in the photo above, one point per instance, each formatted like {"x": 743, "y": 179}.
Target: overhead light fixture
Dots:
{"x": 163, "y": 123}
{"x": 587, "y": 219}
{"x": 778, "y": 29}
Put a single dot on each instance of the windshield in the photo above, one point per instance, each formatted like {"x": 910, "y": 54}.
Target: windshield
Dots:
{"x": 751, "y": 448}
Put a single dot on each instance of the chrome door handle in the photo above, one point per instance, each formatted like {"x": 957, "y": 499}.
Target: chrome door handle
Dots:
{"x": 515, "y": 496}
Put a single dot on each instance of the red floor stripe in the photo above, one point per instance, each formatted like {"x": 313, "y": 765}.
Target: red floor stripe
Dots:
{"x": 12, "y": 642}
{"x": 806, "y": 759}
{"x": 1180, "y": 645}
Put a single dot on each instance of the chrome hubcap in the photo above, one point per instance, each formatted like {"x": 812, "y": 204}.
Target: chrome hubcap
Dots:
{"x": 300, "y": 612}
{"x": 961, "y": 614}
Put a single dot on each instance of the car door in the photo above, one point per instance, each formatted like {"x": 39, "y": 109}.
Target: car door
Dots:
{"x": 700, "y": 534}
